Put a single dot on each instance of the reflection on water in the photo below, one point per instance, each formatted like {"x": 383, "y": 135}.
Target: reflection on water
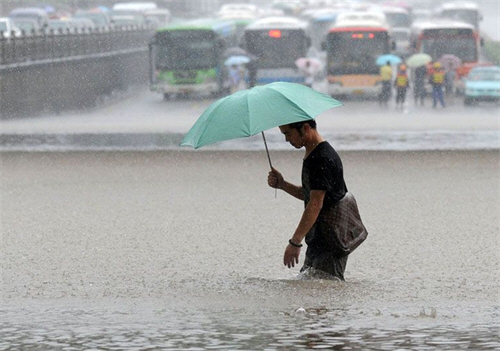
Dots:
{"x": 236, "y": 330}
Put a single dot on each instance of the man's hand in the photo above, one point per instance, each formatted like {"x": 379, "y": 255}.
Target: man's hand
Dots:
{"x": 275, "y": 179}
{"x": 291, "y": 256}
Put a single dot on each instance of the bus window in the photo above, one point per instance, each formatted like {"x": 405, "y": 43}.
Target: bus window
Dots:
{"x": 356, "y": 53}
{"x": 276, "y": 49}
{"x": 186, "y": 49}
{"x": 464, "y": 48}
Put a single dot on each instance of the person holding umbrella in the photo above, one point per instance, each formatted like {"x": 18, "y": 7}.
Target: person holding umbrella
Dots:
{"x": 331, "y": 222}
{"x": 329, "y": 208}
{"x": 419, "y": 84}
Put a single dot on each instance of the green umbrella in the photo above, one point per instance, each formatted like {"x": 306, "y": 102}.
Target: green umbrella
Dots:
{"x": 418, "y": 60}
{"x": 252, "y": 111}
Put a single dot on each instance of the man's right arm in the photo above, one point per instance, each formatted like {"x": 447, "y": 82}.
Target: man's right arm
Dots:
{"x": 275, "y": 180}
{"x": 292, "y": 189}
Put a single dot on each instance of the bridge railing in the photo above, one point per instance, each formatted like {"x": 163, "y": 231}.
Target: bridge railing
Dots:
{"x": 58, "y": 44}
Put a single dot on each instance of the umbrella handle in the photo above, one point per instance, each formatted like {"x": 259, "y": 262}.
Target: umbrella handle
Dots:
{"x": 267, "y": 150}
{"x": 269, "y": 159}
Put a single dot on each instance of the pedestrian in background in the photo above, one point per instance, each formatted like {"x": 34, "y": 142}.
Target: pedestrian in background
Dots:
{"x": 234, "y": 78}
{"x": 449, "y": 80}
{"x": 386, "y": 79}
{"x": 419, "y": 92}
{"x": 308, "y": 74}
{"x": 402, "y": 83}
{"x": 437, "y": 81}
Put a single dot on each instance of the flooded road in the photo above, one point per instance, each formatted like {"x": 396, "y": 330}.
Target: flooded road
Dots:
{"x": 183, "y": 250}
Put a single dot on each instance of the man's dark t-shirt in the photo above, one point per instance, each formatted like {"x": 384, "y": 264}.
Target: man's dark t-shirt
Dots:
{"x": 322, "y": 170}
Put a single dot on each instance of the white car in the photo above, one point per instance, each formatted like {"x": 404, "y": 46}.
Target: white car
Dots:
{"x": 7, "y": 28}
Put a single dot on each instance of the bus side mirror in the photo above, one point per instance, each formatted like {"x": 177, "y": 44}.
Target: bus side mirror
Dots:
{"x": 393, "y": 45}
{"x": 481, "y": 42}
{"x": 414, "y": 45}
{"x": 323, "y": 46}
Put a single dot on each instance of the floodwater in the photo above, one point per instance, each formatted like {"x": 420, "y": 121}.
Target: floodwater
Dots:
{"x": 177, "y": 250}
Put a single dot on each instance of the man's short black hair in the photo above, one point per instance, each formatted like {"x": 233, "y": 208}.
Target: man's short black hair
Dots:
{"x": 298, "y": 125}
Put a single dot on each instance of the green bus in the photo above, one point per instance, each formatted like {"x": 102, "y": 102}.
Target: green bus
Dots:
{"x": 187, "y": 57}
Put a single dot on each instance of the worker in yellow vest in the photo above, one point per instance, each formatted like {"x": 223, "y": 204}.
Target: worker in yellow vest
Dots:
{"x": 402, "y": 83}
{"x": 437, "y": 81}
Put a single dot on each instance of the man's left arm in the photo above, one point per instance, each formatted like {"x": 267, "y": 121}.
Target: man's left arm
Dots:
{"x": 307, "y": 221}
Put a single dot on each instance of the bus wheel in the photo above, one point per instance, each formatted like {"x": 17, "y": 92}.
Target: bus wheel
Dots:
{"x": 166, "y": 96}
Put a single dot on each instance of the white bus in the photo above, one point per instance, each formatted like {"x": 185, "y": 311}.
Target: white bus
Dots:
{"x": 277, "y": 42}
{"x": 352, "y": 46}
{"x": 461, "y": 11}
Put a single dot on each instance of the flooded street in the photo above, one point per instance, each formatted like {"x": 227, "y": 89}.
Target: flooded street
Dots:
{"x": 112, "y": 237}
{"x": 183, "y": 250}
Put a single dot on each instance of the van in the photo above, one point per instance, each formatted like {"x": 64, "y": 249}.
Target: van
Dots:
{"x": 38, "y": 15}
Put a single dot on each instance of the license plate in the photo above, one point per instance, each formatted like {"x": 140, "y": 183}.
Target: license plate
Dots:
{"x": 358, "y": 91}
{"x": 186, "y": 91}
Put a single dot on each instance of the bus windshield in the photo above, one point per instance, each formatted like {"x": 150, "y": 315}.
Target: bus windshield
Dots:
{"x": 398, "y": 19}
{"x": 356, "y": 52}
{"x": 277, "y": 48}
{"x": 463, "y": 48}
{"x": 462, "y": 15}
{"x": 186, "y": 49}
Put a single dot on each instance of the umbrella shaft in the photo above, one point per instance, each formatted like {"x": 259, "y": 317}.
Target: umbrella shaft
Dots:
{"x": 267, "y": 150}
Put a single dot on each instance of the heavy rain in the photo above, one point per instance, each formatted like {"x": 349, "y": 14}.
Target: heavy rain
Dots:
{"x": 115, "y": 237}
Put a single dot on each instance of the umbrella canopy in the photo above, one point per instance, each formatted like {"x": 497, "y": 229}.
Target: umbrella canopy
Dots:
{"x": 450, "y": 62}
{"x": 236, "y": 60}
{"x": 392, "y": 59}
{"x": 418, "y": 60}
{"x": 252, "y": 111}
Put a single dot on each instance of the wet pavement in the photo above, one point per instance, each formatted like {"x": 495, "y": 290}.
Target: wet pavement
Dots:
{"x": 182, "y": 250}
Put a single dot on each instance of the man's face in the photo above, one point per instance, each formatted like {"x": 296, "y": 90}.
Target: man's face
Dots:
{"x": 293, "y": 136}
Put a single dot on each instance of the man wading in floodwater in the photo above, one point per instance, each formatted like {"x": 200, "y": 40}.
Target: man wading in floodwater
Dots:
{"x": 330, "y": 224}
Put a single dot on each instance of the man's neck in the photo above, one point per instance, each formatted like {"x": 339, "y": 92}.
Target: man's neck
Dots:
{"x": 314, "y": 141}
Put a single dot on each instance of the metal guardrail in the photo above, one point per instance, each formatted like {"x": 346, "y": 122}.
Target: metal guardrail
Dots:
{"x": 43, "y": 46}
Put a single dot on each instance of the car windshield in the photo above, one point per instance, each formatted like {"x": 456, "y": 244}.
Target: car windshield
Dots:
{"x": 3, "y": 26}
{"x": 485, "y": 75}
{"x": 58, "y": 24}
{"x": 98, "y": 19}
{"x": 26, "y": 25}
